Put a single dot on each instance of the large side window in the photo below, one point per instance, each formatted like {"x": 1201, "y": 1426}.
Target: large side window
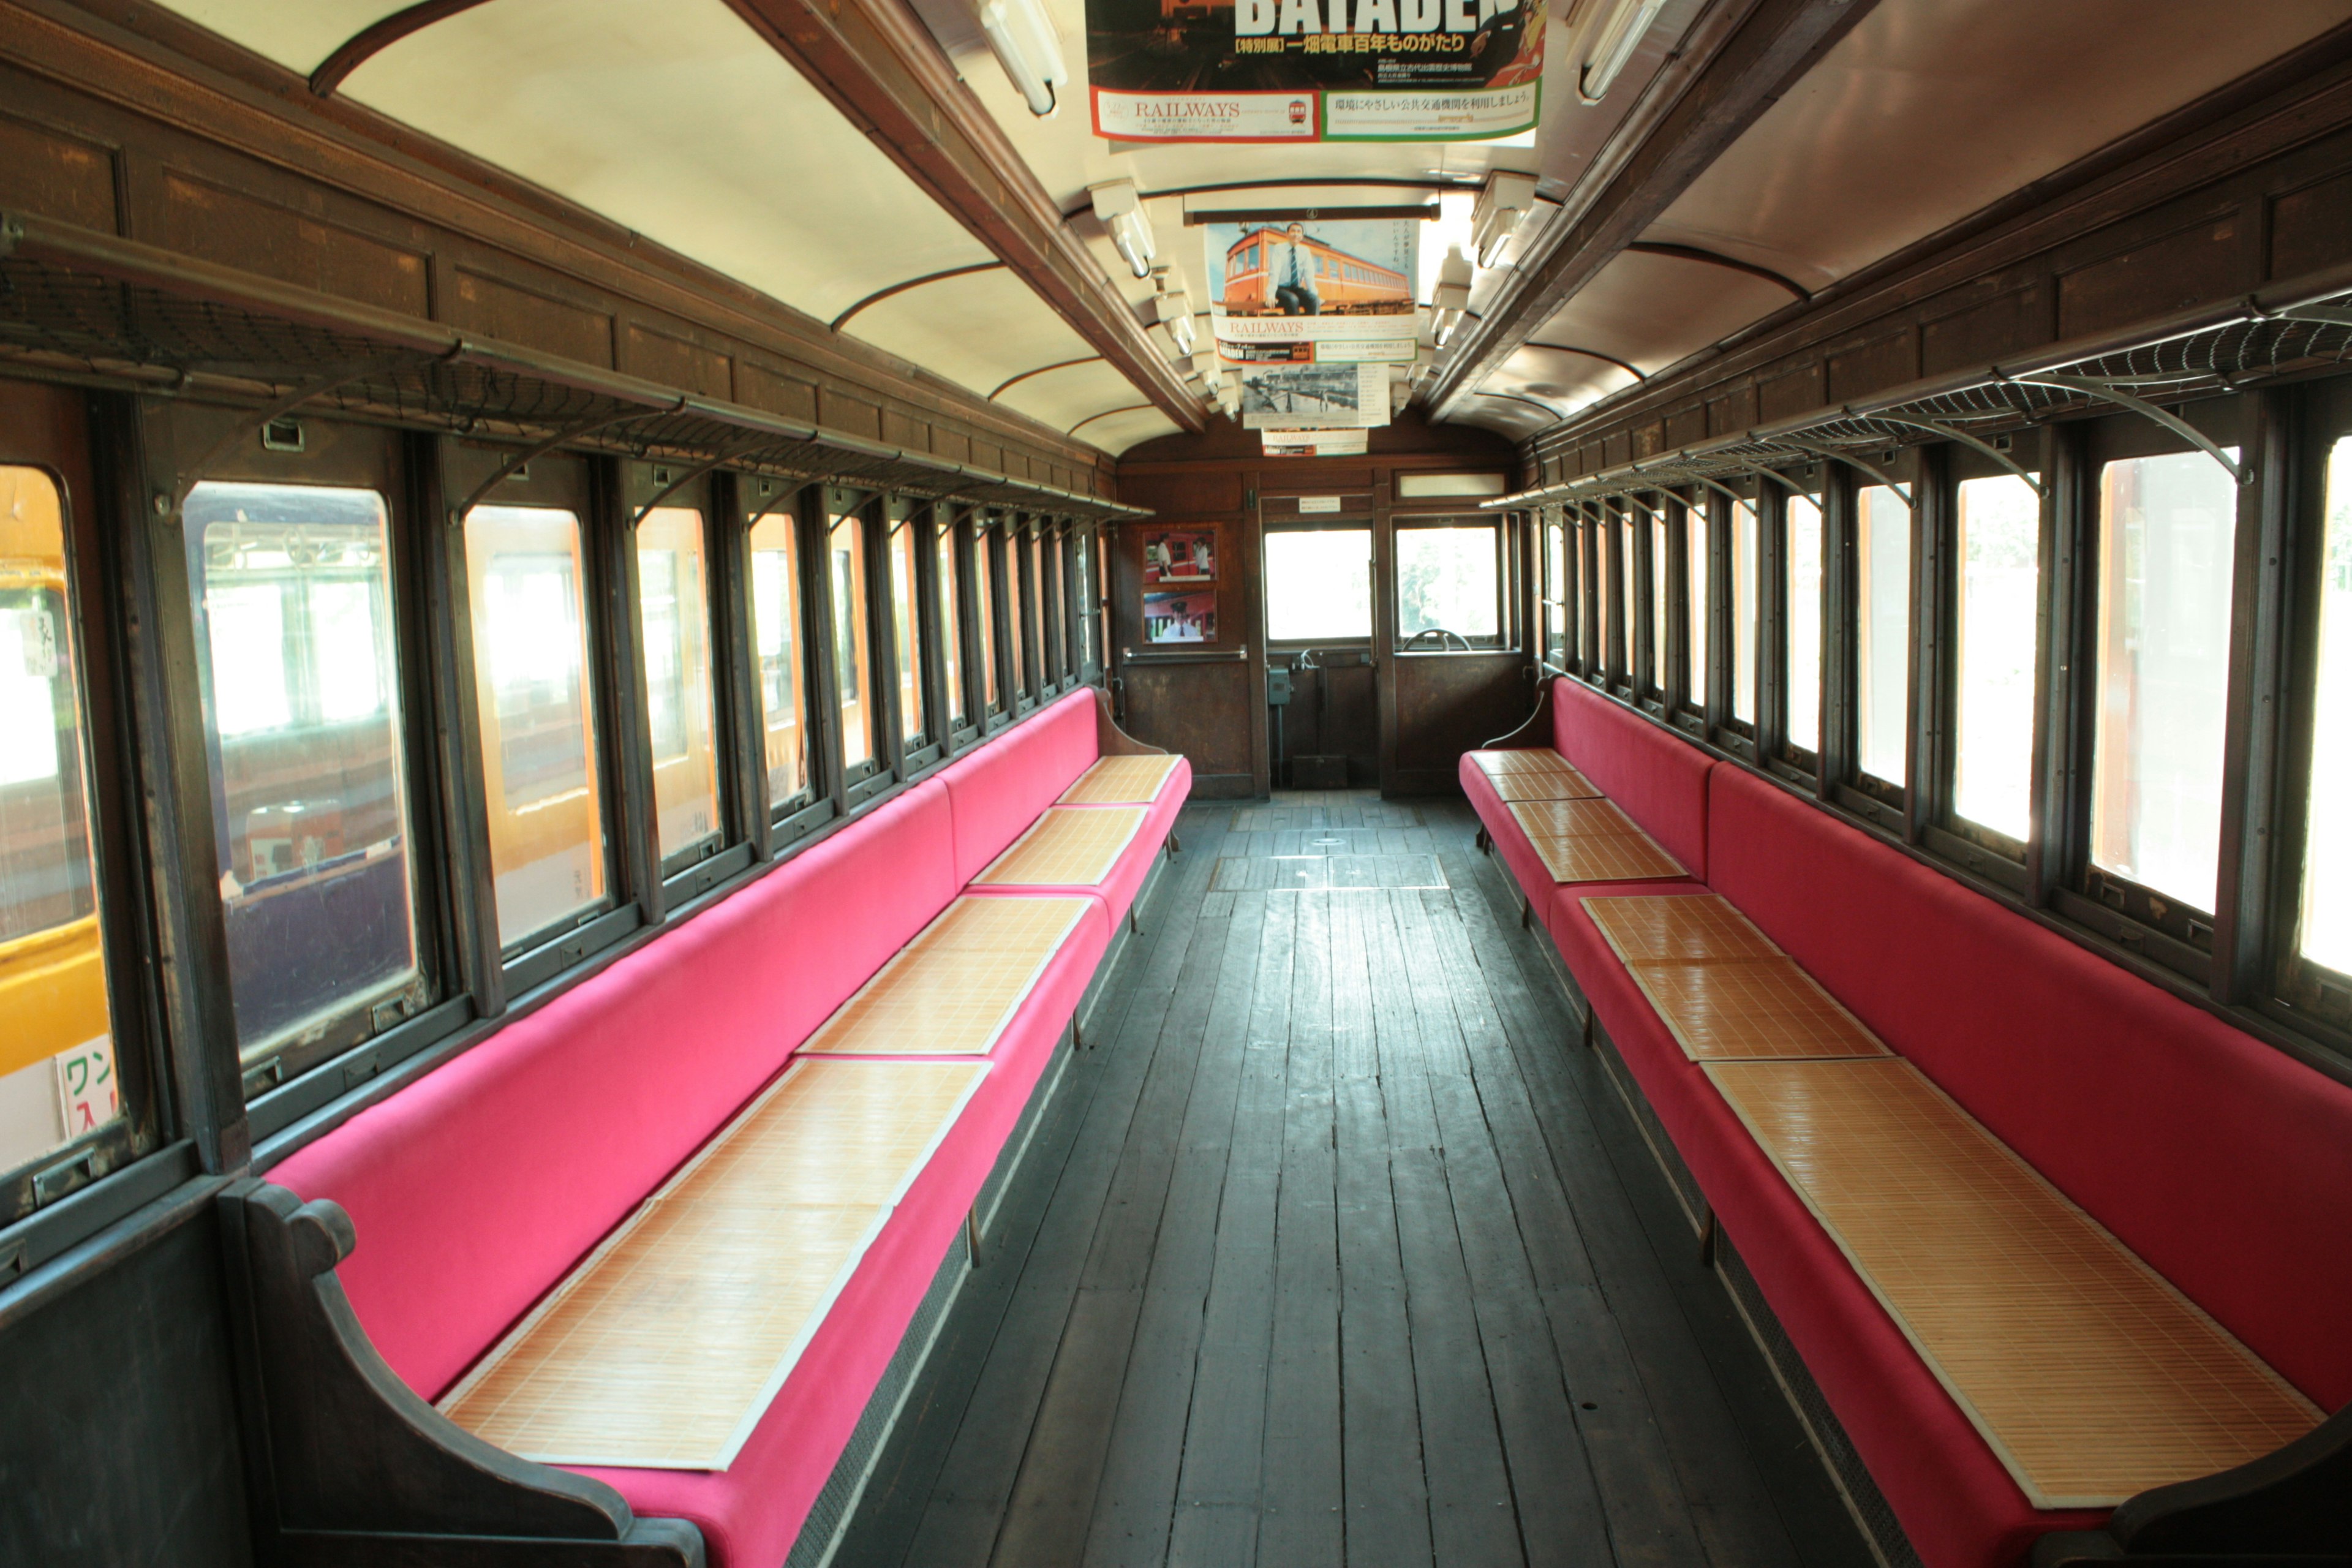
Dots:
{"x": 1745, "y": 585}
{"x": 983, "y": 610}
{"x": 300, "y": 681}
{"x": 1629, "y": 601}
{"x": 853, "y": 675}
{"x": 1802, "y": 639}
{"x": 948, "y": 582}
{"x": 1449, "y": 585}
{"x": 674, "y": 625}
{"x": 1318, "y": 584}
{"x": 58, "y": 1070}
{"x": 2166, "y": 527}
{"x": 1694, "y": 621}
{"x": 1657, "y": 576}
{"x": 1016, "y": 617}
{"x": 781, "y": 646}
{"x": 1882, "y": 537}
{"x": 1555, "y": 589}
{"x": 1998, "y": 524}
{"x": 2324, "y": 926}
{"x": 526, "y": 572}
{"x": 906, "y": 630}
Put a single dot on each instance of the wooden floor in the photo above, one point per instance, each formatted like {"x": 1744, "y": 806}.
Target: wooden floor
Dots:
{"x": 1340, "y": 1249}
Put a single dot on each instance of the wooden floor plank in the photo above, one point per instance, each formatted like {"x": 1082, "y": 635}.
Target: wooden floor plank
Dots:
{"x": 1386, "y": 1491}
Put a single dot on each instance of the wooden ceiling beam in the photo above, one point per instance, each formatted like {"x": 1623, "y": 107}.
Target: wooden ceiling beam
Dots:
{"x": 1738, "y": 59}
{"x": 878, "y": 63}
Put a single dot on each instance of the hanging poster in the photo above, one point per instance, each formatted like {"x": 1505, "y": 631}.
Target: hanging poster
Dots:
{"x": 1314, "y": 70}
{"x": 1316, "y": 444}
{"x": 1348, "y": 280}
{"x": 1180, "y": 555}
{"x": 1315, "y": 396}
{"x": 1186, "y": 617}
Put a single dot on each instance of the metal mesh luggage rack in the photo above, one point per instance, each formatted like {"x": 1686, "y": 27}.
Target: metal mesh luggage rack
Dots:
{"x": 97, "y": 310}
{"x": 2293, "y": 330}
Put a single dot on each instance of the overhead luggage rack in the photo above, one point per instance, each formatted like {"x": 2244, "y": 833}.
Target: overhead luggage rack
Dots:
{"x": 2292, "y": 330}
{"x": 98, "y": 310}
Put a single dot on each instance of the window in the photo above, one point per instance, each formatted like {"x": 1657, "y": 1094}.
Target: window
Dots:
{"x": 1016, "y": 616}
{"x": 57, "y": 1074}
{"x": 1555, "y": 592}
{"x": 1318, "y": 585}
{"x": 945, "y": 580}
{"x": 1804, "y": 634}
{"x": 1694, "y": 622}
{"x": 907, "y": 632}
{"x": 2166, "y": 530}
{"x": 776, "y": 600}
{"x": 673, "y": 622}
{"x": 1603, "y": 622}
{"x": 1629, "y": 582}
{"x": 1883, "y": 632}
{"x": 984, "y": 606}
{"x": 2000, "y": 528}
{"x": 846, "y": 546}
{"x": 1036, "y": 614}
{"x": 1745, "y": 584}
{"x": 1449, "y": 579}
{"x": 1658, "y": 602}
{"x": 2324, "y": 936}
{"x": 300, "y": 684}
{"x": 538, "y": 718}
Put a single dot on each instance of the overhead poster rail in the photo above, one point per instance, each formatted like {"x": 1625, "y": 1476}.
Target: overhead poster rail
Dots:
{"x": 1314, "y": 70}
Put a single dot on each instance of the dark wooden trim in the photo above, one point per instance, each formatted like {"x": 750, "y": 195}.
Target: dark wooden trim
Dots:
{"x": 878, "y": 64}
{"x": 373, "y": 39}
{"x": 1632, "y": 369}
{"x": 1716, "y": 259}
{"x": 1123, "y": 408}
{"x": 1716, "y": 91}
{"x": 879, "y": 295}
{"x": 1010, "y": 382}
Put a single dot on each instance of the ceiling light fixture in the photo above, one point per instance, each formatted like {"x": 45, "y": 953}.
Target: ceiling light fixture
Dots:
{"x": 1452, "y": 297}
{"x": 1120, "y": 207}
{"x": 1174, "y": 304}
{"x": 1507, "y": 199}
{"x": 1029, "y": 48}
{"x": 1606, "y": 42}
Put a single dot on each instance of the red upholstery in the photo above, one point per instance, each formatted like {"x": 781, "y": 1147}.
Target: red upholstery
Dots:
{"x": 1658, "y": 778}
{"x": 1511, "y": 842}
{"x": 1000, "y": 789}
{"x": 2215, "y": 1157}
{"x": 751, "y": 1514}
{"x": 475, "y": 1188}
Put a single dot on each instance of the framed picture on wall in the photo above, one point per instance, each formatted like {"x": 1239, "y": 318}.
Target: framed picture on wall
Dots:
{"x": 1180, "y": 555}
{"x": 1186, "y": 617}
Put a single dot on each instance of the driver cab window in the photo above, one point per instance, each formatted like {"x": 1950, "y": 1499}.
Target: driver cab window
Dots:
{"x": 1449, "y": 586}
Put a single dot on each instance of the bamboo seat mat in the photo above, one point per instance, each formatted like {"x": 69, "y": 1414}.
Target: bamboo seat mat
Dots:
{"x": 1721, "y": 987}
{"x": 1066, "y": 847}
{"x": 661, "y": 1349}
{"x": 954, "y": 988}
{"x": 1120, "y": 780}
{"x": 1540, "y": 775}
{"x": 1589, "y": 840}
{"x": 2088, "y": 1373}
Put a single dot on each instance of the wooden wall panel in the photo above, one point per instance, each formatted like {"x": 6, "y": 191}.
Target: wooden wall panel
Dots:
{"x": 775, "y": 392}
{"x": 56, "y": 174}
{"x": 676, "y": 362}
{"x": 1985, "y": 329}
{"x": 203, "y": 218}
{"x": 2172, "y": 271}
{"x": 1207, "y": 711}
{"x": 497, "y": 309}
{"x": 2311, "y": 227}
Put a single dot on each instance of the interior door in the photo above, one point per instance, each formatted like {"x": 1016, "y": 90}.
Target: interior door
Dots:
{"x": 1323, "y": 703}
{"x": 1456, "y": 658}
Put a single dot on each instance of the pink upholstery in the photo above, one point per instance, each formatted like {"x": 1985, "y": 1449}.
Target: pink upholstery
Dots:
{"x": 474, "y": 1189}
{"x": 1658, "y": 778}
{"x": 751, "y": 1514}
{"x": 1000, "y": 789}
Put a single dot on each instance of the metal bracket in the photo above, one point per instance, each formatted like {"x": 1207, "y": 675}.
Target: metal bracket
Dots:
{"x": 1719, "y": 487}
{"x": 1832, "y": 454}
{"x": 2141, "y": 406}
{"x": 1952, "y": 433}
{"x": 731, "y": 455}
{"x": 317, "y": 387}
{"x": 571, "y": 432}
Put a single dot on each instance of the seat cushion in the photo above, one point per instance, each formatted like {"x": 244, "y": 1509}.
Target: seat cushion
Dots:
{"x": 1120, "y": 885}
{"x": 1518, "y": 853}
{"x": 1658, "y": 777}
{"x": 475, "y": 1188}
{"x": 1000, "y": 789}
{"x": 2219, "y": 1160}
{"x": 752, "y": 1512}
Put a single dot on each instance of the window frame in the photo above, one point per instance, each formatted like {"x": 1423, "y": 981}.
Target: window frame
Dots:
{"x": 918, "y": 750}
{"x": 1503, "y": 638}
{"x": 1775, "y": 674}
{"x": 689, "y": 870}
{"x": 788, "y": 821}
{"x": 1885, "y": 801}
{"x": 948, "y": 525}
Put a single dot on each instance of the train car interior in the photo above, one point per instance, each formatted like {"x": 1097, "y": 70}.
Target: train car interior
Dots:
{"x": 1082, "y": 783}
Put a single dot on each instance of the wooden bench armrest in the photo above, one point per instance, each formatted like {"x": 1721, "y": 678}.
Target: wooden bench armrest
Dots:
{"x": 349, "y": 1465}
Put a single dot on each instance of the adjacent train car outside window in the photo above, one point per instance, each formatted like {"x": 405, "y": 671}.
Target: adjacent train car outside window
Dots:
{"x": 1695, "y": 620}
{"x": 58, "y": 1078}
{"x": 2323, "y": 933}
{"x": 1449, "y": 579}
{"x": 2167, "y": 526}
{"x": 1882, "y": 535}
{"x": 906, "y": 630}
{"x": 947, "y": 583}
{"x": 1745, "y": 585}
{"x": 983, "y": 609}
{"x": 781, "y": 651}
{"x": 846, "y": 548}
{"x": 1997, "y": 520}
{"x": 1803, "y": 639}
{"x": 1318, "y": 585}
{"x": 674, "y": 624}
{"x": 538, "y": 717}
{"x": 300, "y": 683}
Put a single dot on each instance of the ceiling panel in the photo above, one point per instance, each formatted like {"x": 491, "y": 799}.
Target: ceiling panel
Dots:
{"x": 1560, "y": 378}
{"x": 679, "y": 121}
{"x": 1063, "y": 397}
{"x": 1115, "y": 433}
{"x": 1931, "y": 109}
{"x": 1507, "y": 416}
{"x": 1652, "y": 311}
{"x": 977, "y": 329}
{"x": 297, "y": 35}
